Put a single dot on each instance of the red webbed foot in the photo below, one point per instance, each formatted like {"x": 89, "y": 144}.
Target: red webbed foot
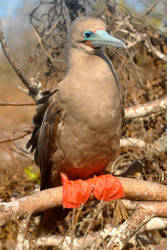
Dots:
{"x": 107, "y": 188}
{"x": 75, "y": 193}
{"x": 104, "y": 187}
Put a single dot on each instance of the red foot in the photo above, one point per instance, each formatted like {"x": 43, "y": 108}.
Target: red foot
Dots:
{"x": 107, "y": 188}
{"x": 75, "y": 193}
{"x": 104, "y": 187}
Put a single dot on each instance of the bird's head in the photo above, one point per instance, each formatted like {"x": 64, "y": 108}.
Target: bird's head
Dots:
{"x": 89, "y": 34}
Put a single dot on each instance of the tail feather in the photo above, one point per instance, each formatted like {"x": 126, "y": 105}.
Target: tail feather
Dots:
{"x": 51, "y": 219}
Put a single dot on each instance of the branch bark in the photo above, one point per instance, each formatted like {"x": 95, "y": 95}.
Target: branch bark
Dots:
{"x": 40, "y": 201}
{"x": 146, "y": 109}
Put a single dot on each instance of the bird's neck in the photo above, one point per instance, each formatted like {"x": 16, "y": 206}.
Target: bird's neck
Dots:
{"x": 80, "y": 63}
{"x": 77, "y": 59}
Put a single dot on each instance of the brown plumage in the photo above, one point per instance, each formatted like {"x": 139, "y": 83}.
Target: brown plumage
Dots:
{"x": 78, "y": 124}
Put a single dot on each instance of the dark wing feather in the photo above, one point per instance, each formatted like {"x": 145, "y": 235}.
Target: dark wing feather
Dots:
{"x": 48, "y": 116}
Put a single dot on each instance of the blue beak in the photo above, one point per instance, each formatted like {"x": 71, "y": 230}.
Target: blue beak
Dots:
{"x": 101, "y": 39}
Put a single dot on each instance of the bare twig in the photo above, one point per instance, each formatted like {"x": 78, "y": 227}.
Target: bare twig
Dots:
{"x": 42, "y": 46}
{"x": 150, "y": 8}
{"x": 52, "y": 28}
{"x": 139, "y": 37}
{"x": 33, "y": 87}
{"x": 14, "y": 138}
{"x": 154, "y": 50}
{"x": 3, "y": 103}
{"x": 65, "y": 241}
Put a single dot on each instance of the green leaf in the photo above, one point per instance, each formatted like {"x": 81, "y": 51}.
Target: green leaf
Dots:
{"x": 32, "y": 175}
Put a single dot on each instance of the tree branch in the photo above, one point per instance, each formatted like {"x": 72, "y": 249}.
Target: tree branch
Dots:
{"x": 159, "y": 145}
{"x": 32, "y": 86}
{"x": 40, "y": 201}
{"x": 17, "y": 137}
{"x": 146, "y": 109}
{"x": 119, "y": 236}
{"x": 3, "y": 103}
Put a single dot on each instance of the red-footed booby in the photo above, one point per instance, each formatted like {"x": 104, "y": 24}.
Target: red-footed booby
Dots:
{"x": 78, "y": 124}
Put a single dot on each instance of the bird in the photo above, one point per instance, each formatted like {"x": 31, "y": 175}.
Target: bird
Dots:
{"x": 77, "y": 124}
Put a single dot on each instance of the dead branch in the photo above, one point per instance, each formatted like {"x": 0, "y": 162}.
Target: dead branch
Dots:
{"x": 22, "y": 242}
{"x": 42, "y": 46}
{"x": 33, "y": 87}
{"x": 155, "y": 223}
{"x": 158, "y": 146}
{"x": 3, "y": 103}
{"x": 15, "y": 138}
{"x": 64, "y": 242}
{"x": 154, "y": 50}
{"x": 150, "y": 8}
{"x": 144, "y": 212}
{"x": 143, "y": 37}
{"x": 146, "y": 109}
{"x": 119, "y": 236}
{"x": 37, "y": 202}
{"x": 40, "y": 201}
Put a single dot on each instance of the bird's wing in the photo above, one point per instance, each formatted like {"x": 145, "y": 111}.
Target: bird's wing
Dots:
{"x": 47, "y": 120}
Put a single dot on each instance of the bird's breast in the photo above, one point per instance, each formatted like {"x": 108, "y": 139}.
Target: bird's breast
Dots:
{"x": 91, "y": 127}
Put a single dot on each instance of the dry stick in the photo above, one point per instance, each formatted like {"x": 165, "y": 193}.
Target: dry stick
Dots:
{"x": 146, "y": 109}
{"x": 159, "y": 145}
{"x": 150, "y": 8}
{"x": 42, "y": 46}
{"x": 57, "y": 241}
{"x": 22, "y": 242}
{"x": 122, "y": 234}
{"x": 40, "y": 201}
{"x": 15, "y": 138}
{"x": 90, "y": 224}
{"x": 154, "y": 50}
{"x": 119, "y": 236}
{"x": 31, "y": 86}
{"x": 3, "y": 103}
{"x": 155, "y": 223}
{"x": 53, "y": 27}
{"x": 139, "y": 37}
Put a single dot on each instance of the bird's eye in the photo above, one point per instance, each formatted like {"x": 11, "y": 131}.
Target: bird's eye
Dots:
{"x": 88, "y": 34}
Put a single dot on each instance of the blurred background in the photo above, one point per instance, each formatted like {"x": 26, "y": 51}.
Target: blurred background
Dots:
{"x": 35, "y": 32}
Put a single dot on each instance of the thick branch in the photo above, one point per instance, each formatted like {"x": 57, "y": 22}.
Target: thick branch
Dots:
{"x": 146, "y": 109}
{"x": 40, "y": 201}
